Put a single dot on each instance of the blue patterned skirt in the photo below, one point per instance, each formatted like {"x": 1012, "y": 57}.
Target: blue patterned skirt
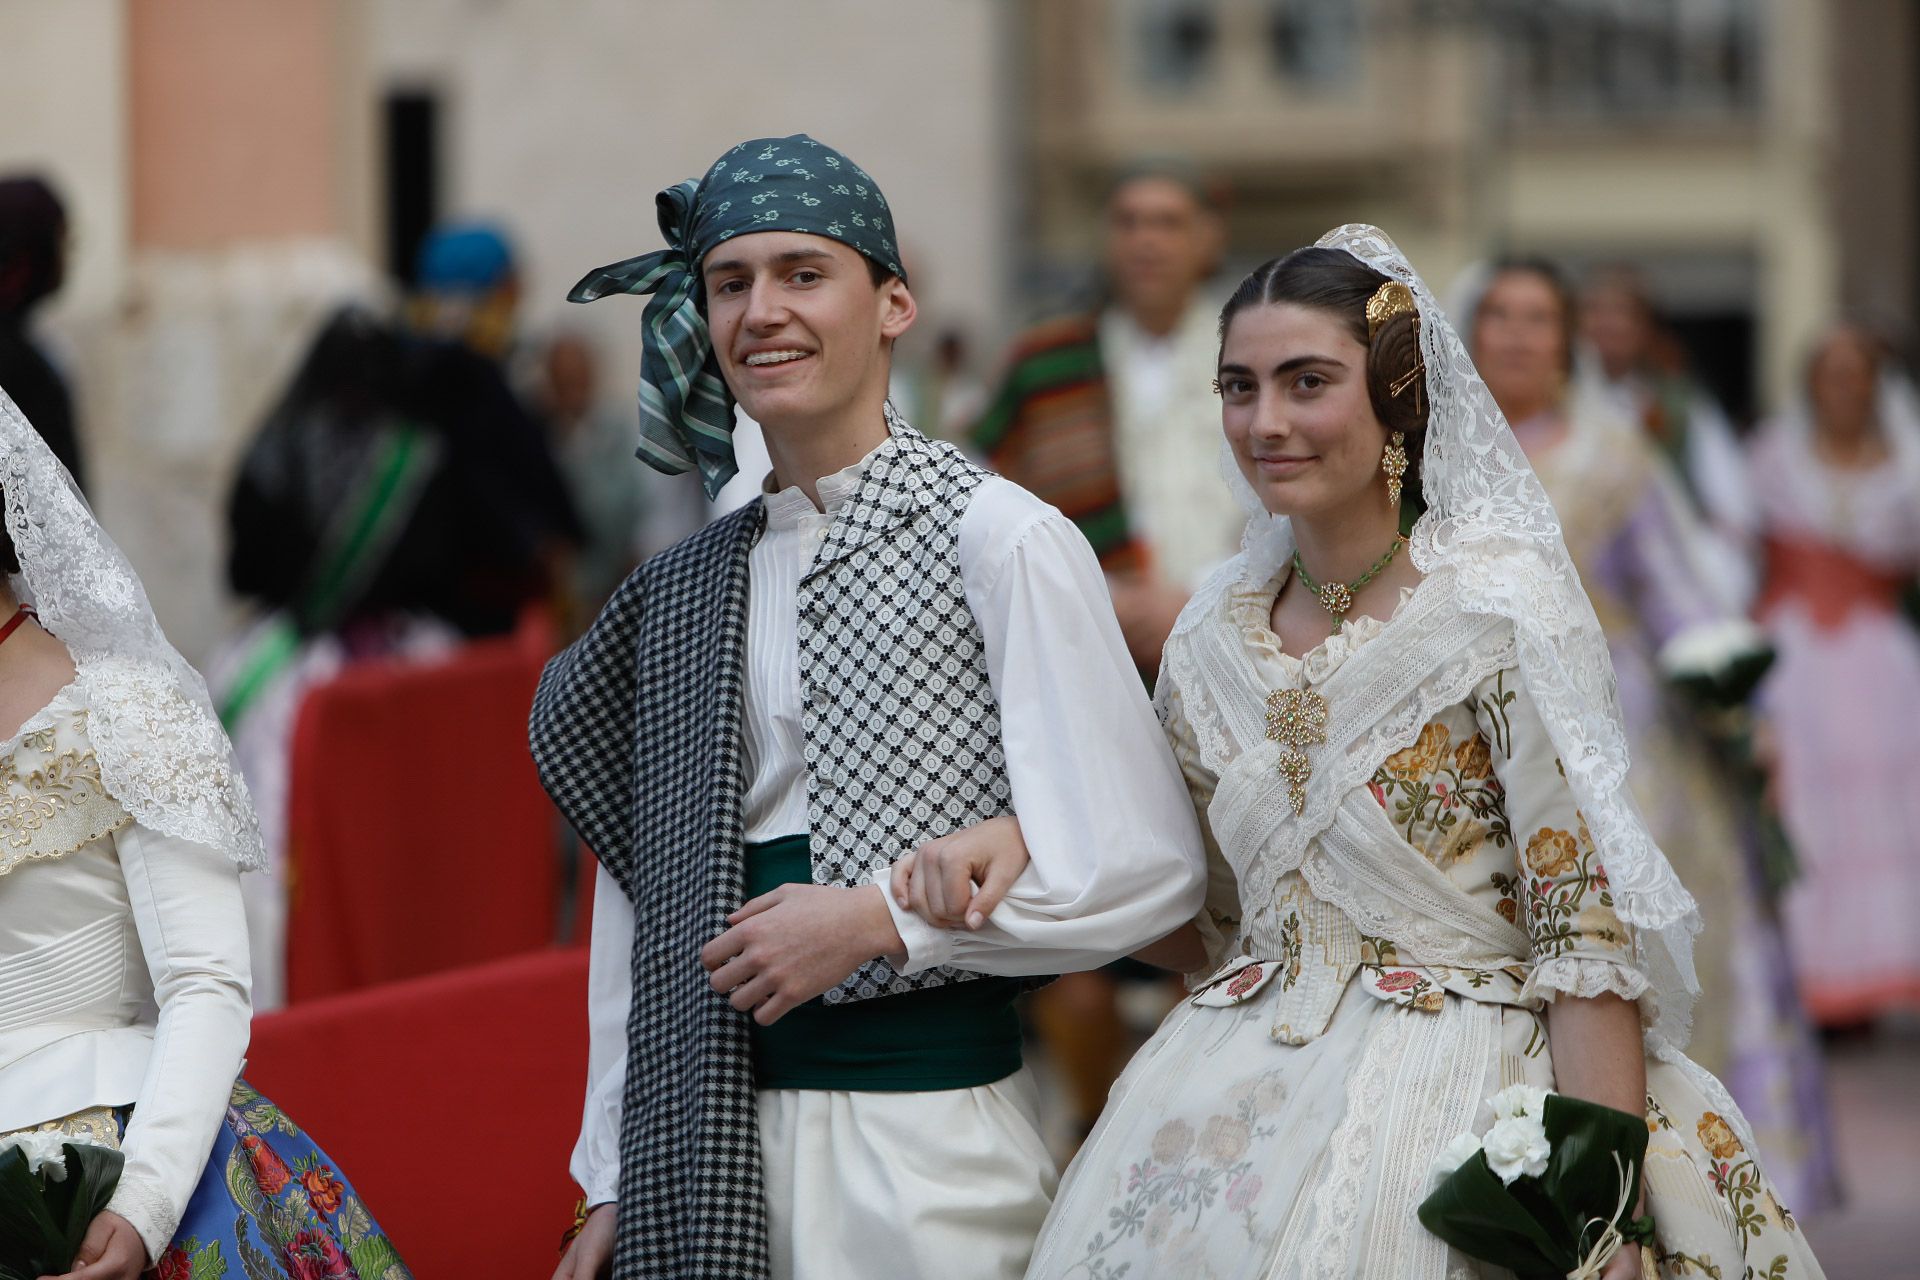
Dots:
{"x": 272, "y": 1206}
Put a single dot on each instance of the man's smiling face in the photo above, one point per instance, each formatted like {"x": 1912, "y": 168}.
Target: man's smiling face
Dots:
{"x": 800, "y": 328}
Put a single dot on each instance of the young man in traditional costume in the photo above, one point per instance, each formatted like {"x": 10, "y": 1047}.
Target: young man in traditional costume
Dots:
{"x": 884, "y": 658}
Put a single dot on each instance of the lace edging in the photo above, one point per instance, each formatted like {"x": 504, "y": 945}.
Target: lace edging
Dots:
{"x": 1584, "y": 978}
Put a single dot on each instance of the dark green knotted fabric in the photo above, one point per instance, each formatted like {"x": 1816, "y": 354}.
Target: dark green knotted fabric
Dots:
{"x": 769, "y": 184}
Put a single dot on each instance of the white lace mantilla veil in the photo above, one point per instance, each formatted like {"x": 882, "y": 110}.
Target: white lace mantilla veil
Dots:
{"x": 1489, "y": 521}
{"x": 162, "y": 752}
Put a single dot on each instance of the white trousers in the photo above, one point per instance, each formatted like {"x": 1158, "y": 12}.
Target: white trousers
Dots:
{"x": 948, "y": 1185}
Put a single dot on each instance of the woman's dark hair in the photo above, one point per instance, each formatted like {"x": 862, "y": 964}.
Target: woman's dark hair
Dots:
{"x": 1550, "y": 275}
{"x": 9, "y": 558}
{"x": 1334, "y": 281}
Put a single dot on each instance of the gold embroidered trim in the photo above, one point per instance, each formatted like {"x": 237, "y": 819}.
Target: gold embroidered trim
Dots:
{"x": 53, "y": 804}
{"x": 93, "y": 1124}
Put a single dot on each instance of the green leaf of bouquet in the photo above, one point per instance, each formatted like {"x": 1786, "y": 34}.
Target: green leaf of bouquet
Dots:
{"x": 28, "y": 1235}
{"x": 92, "y": 1174}
{"x": 1476, "y": 1213}
{"x": 1582, "y": 1180}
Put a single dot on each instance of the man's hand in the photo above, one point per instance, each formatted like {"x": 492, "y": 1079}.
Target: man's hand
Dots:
{"x": 111, "y": 1250}
{"x": 801, "y": 940}
{"x": 937, "y": 881}
{"x": 590, "y": 1256}
{"x": 1147, "y": 606}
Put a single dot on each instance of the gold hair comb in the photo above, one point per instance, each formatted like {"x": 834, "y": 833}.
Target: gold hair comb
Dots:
{"x": 1389, "y": 300}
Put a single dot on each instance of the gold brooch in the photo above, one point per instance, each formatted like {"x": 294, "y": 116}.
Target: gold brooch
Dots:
{"x": 1296, "y": 718}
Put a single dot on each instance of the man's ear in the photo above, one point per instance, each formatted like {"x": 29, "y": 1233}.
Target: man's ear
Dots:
{"x": 897, "y": 308}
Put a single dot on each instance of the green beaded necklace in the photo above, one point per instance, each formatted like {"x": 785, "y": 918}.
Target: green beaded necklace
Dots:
{"x": 1337, "y": 597}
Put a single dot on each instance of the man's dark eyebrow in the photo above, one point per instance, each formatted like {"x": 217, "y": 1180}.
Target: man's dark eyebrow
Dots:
{"x": 787, "y": 259}
{"x": 1285, "y": 366}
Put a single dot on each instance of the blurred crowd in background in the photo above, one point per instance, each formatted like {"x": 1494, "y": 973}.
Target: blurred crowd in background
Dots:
{"x": 284, "y": 290}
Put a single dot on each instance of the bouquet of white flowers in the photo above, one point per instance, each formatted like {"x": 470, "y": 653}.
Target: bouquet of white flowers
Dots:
{"x": 1547, "y": 1191}
{"x": 1718, "y": 663}
{"x": 51, "y": 1189}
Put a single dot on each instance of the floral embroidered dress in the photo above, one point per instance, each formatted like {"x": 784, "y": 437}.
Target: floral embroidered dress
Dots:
{"x": 1373, "y": 984}
{"x": 123, "y": 1018}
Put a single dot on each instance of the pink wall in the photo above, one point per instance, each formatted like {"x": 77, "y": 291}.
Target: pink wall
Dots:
{"x": 234, "y": 121}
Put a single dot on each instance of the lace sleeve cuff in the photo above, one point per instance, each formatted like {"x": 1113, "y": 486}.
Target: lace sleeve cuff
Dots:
{"x": 1583, "y": 979}
{"x": 151, "y": 1212}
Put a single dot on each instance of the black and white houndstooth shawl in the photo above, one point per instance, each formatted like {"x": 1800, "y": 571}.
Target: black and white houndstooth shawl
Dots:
{"x": 636, "y": 733}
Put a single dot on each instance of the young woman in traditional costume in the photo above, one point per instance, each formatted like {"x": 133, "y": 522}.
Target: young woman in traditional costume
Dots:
{"x": 124, "y": 981}
{"x": 1429, "y": 881}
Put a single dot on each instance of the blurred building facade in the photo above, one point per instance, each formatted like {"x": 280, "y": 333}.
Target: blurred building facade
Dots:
{"x": 234, "y": 170}
{"x": 1756, "y": 157}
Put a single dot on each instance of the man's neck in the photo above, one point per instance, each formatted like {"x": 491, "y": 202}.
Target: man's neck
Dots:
{"x": 804, "y": 454}
{"x": 1156, "y": 322}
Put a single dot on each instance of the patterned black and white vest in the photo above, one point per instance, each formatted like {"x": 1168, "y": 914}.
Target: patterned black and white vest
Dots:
{"x": 636, "y": 731}
{"x": 901, "y": 727}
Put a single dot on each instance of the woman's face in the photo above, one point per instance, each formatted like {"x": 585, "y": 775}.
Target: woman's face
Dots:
{"x": 1520, "y": 342}
{"x": 1293, "y": 387}
{"x": 1840, "y": 383}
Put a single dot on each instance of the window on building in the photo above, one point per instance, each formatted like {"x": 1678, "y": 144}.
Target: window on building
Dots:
{"x": 1313, "y": 42}
{"x": 1626, "y": 58}
{"x": 1177, "y": 41}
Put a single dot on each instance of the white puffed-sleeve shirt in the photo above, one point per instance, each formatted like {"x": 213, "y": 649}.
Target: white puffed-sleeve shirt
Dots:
{"x": 1116, "y": 855}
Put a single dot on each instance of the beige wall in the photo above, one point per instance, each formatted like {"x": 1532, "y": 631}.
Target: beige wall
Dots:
{"x": 563, "y": 121}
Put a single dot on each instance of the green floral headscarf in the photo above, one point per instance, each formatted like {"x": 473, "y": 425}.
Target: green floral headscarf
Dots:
{"x": 769, "y": 184}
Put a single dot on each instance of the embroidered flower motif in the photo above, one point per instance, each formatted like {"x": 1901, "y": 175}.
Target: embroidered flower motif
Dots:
{"x": 1245, "y": 980}
{"x": 1430, "y": 1001}
{"x": 313, "y": 1255}
{"x": 1243, "y": 1191}
{"x": 1159, "y": 1222}
{"x": 1509, "y": 910}
{"x": 1225, "y": 1140}
{"x": 1717, "y": 1136}
{"x": 1473, "y": 758}
{"x": 1172, "y": 1143}
{"x": 325, "y": 1190}
{"x": 1400, "y": 980}
{"x": 1552, "y": 853}
{"x": 174, "y": 1264}
{"x": 1423, "y": 756}
{"x": 269, "y": 1170}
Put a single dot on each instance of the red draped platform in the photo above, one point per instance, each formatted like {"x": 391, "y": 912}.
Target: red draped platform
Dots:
{"x": 418, "y": 836}
{"x": 451, "y": 1102}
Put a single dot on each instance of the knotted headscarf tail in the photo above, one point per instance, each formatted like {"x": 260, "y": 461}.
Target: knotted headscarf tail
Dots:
{"x": 769, "y": 184}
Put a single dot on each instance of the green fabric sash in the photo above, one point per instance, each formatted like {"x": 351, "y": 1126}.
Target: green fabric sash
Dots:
{"x": 957, "y": 1036}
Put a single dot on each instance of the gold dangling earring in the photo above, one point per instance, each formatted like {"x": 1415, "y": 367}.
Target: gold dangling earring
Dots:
{"x": 1394, "y": 462}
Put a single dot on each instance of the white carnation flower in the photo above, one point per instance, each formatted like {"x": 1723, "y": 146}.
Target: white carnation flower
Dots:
{"x": 1453, "y": 1155}
{"x": 1520, "y": 1100}
{"x": 1517, "y": 1146}
{"x": 1711, "y": 648}
{"x": 42, "y": 1150}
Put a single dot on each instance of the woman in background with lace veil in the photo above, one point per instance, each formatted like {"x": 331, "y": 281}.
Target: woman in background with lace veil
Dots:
{"x": 123, "y": 950}
{"x": 1428, "y": 879}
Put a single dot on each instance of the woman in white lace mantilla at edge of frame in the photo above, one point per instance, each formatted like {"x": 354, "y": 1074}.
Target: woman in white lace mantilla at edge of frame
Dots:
{"x": 1428, "y": 881}
{"x": 124, "y": 1009}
